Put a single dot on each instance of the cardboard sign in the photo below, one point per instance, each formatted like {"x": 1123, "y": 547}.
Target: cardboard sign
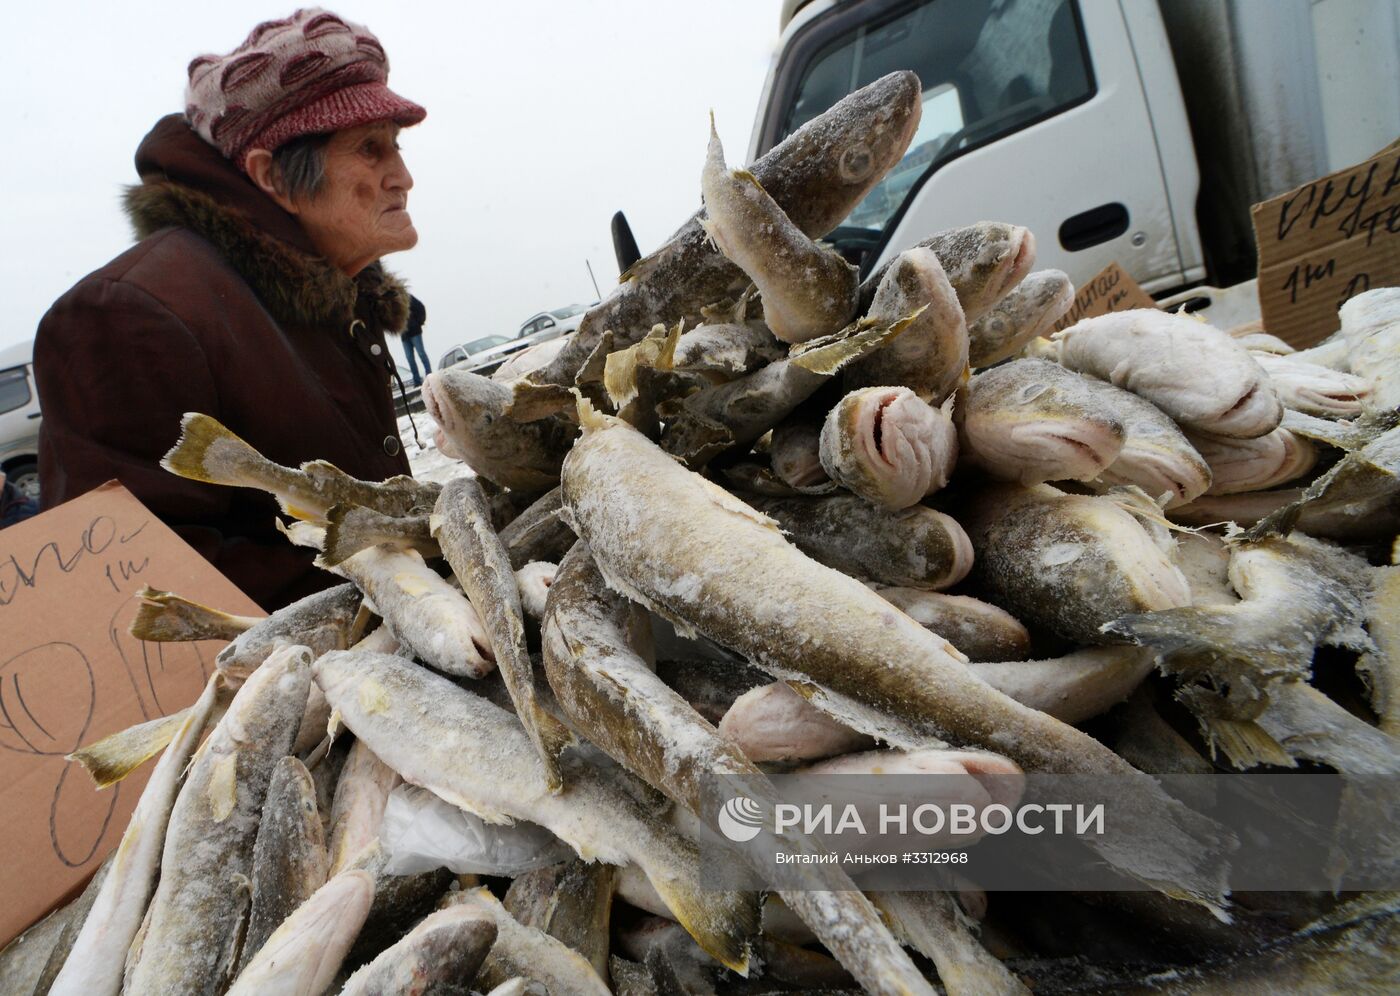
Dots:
{"x": 70, "y": 674}
{"x": 1326, "y": 242}
{"x": 1112, "y": 289}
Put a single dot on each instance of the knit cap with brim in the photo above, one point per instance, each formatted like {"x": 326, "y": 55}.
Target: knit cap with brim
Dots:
{"x": 307, "y": 74}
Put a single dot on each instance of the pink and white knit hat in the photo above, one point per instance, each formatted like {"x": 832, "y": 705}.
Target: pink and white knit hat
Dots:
{"x": 307, "y": 74}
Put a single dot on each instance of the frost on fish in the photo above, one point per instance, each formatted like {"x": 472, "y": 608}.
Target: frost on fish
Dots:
{"x": 570, "y": 901}
{"x": 1028, "y": 312}
{"x": 304, "y": 954}
{"x": 750, "y": 590}
{"x": 533, "y": 581}
{"x": 1156, "y": 455}
{"x": 1371, "y": 331}
{"x": 1295, "y": 594}
{"x": 817, "y": 175}
{"x": 888, "y": 446}
{"x": 97, "y": 957}
{"x": 361, "y": 794}
{"x": 1363, "y": 486}
{"x": 1313, "y": 389}
{"x": 319, "y": 622}
{"x": 915, "y": 547}
{"x": 538, "y": 533}
{"x": 1068, "y": 563}
{"x": 795, "y": 452}
{"x": 207, "y": 451}
{"x": 446, "y": 948}
{"x": 430, "y": 616}
{"x": 931, "y": 356}
{"x": 737, "y": 413}
{"x": 933, "y": 924}
{"x": 289, "y": 856}
{"x": 630, "y": 713}
{"x": 526, "y": 952}
{"x": 461, "y": 523}
{"x": 1033, "y": 421}
{"x": 1239, "y": 465}
{"x": 471, "y": 411}
{"x": 774, "y": 723}
{"x": 983, "y": 262}
{"x": 808, "y": 290}
{"x": 475, "y": 755}
{"x": 1192, "y": 371}
{"x": 982, "y": 631}
{"x": 191, "y": 942}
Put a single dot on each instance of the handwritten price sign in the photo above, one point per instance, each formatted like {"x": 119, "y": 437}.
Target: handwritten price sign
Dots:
{"x": 70, "y": 673}
{"x": 1326, "y": 242}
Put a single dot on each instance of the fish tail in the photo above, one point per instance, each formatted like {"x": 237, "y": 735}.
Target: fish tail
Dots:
{"x": 348, "y": 531}
{"x": 550, "y": 737}
{"x": 112, "y": 758}
{"x": 723, "y": 921}
{"x": 208, "y": 451}
{"x": 164, "y": 617}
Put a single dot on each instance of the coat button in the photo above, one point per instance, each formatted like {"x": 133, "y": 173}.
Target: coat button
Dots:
{"x": 376, "y": 349}
{"x": 391, "y": 445}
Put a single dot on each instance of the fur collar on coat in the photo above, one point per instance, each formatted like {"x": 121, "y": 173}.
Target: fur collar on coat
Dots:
{"x": 296, "y": 287}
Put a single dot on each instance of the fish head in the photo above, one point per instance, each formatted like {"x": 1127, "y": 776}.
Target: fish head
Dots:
{"x": 838, "y": 157}
{"x": 1159, "y": 469}
{"x": 457, "y": 399}
{"x": 985, "y": 262}
{"x": 1033, "y": 421}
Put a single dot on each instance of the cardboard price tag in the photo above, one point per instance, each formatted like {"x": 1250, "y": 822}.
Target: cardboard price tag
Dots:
{"x": 1111, "y": 289}
{"x": 70, "y": 674}
{"x": 1326, "y": 242}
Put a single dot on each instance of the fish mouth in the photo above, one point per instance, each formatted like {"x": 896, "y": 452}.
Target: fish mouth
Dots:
{"x": 1159, "y": 474}
{"x": 1256, "y": 412}
{"x": 1022, "y": 259}
{"x": 1077, "y": 451}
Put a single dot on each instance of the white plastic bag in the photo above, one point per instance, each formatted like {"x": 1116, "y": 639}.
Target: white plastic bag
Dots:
{"x": 421, "y": 832}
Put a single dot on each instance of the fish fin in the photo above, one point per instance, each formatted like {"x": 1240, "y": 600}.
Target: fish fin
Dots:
{"x": 589, "y": 417}
{"x": 722, "y": 922}
{"x": 208, "y": 451}
{"x": 112, "y": 758}
{"x": 530, "y": 402}
{"x": 862, "y": 718}
{"x": 593, "y": 368}
{"x": 827, "y": 355}
{"x": 347, "y": 533}
{"x": 163, "y": 617}
{"x": 307, "y": 534}
{"x": 551, "y": 738}
{"x": 223, "y": 787}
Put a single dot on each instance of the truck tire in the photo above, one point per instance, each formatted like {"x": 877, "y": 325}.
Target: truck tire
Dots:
{"x": 25, "y": 477}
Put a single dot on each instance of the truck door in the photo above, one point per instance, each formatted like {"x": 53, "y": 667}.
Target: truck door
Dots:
{"x": 1034, "y": 113}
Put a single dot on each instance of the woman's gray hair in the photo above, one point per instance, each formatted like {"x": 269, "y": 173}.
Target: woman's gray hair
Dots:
{"x": 300, "y": 166}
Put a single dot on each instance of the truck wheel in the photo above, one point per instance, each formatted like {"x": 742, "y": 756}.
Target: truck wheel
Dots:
{"x": 25, "y": 477}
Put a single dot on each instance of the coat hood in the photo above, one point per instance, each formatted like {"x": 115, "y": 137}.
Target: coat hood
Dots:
{"x": 186, "y": 183}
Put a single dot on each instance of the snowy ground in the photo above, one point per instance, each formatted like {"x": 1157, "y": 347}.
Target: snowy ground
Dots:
{"x": 428, "y": 464}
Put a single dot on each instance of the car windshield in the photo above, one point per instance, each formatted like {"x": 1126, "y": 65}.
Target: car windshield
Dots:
{"x": 572, "y": 309}
{"x": 477, "y": 345}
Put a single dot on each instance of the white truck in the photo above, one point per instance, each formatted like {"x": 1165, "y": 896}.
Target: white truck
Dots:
{"x": 1116, "y": 130}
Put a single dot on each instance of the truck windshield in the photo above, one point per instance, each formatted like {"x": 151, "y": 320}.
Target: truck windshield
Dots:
{"x": 988, "y": 67}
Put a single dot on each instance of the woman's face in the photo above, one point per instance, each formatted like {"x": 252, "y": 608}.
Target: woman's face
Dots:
{"x": 361, "y": 213}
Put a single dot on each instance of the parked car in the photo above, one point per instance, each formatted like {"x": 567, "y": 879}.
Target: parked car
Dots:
{"x": 552, "y": 324}
{"x": 19, "y": 419}
{"x": 475, "y": 348}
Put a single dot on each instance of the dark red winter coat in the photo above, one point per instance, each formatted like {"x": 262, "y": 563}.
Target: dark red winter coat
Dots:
{"x": 223, "y": 307}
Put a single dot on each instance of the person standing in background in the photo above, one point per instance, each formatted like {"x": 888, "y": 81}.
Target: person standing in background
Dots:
{"x": 413, "y": 339}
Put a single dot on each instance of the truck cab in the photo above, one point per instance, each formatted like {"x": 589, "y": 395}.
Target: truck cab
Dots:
{"x": 1034, "y": 111}
{"x": 1093, "y": 122}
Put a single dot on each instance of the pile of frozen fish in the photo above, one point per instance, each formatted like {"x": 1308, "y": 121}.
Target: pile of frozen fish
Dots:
{"x": 759, "y": 515}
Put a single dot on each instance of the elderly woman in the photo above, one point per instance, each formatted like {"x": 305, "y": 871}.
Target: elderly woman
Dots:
{"x": 254, "y": 295}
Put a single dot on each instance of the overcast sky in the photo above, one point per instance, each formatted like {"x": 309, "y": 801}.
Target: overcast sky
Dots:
{"x": 543, "y": 119}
